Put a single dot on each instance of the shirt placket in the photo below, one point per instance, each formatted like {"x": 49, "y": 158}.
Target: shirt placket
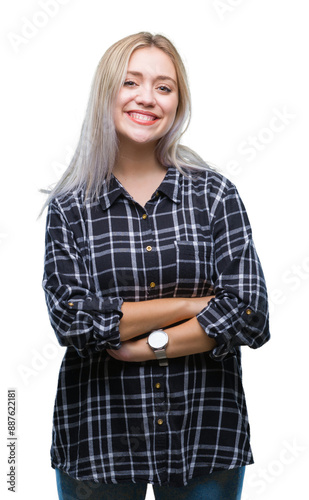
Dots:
{"x": 160, "y": 420}
{"x": 159, "y": 415}
{"x": 150, "y": 251}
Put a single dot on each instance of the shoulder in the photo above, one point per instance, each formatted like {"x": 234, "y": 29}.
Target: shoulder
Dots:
{"x": 70, "y": 206}
{"x": 210, "y": 191}
{"x": 208, "y": 181}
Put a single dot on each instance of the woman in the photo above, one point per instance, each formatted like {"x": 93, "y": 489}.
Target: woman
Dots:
{"x": 152, "y": 283}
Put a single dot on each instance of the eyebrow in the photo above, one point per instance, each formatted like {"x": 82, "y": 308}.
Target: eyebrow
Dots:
{"x": 159, "y": 77}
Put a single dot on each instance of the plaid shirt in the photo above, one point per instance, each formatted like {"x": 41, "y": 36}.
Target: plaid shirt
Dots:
{"x": 120, "y": 421}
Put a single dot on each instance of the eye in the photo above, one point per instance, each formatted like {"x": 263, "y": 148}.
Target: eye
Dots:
{"x": 164, "y": 88}
{"x": 129, "y": 83}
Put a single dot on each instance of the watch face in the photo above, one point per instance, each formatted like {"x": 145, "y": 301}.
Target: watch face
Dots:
{"x": 158, "y": 339}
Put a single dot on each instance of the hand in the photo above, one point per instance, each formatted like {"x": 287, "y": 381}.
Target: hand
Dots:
{"x": 131, "y": 350}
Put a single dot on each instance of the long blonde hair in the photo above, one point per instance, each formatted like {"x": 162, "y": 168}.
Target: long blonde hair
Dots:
{"x": 96, "y": 152}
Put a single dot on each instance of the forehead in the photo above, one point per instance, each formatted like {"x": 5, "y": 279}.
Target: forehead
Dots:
{"x": 151, "y": 60}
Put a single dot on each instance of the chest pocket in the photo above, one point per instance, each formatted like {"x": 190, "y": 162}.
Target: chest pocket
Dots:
{"x": 193, "y": 268}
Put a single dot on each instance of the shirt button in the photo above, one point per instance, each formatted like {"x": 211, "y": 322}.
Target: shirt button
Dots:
{"x": 71, "y": 304}
{"x": 152, "y": 284}
{"x": 149, "y": 248}
{"x": 248, "y": 311}
{"x": 144, "y": 216}
{"x": 160, "y": 421}
{"x": 157, "y": 193}
{"x": 158, "y": 385}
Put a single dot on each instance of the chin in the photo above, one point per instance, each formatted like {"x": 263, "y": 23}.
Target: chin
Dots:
{"x": 143, "y": 140}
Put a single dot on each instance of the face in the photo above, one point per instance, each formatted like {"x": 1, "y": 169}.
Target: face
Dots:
{"x": 146, "y": 105}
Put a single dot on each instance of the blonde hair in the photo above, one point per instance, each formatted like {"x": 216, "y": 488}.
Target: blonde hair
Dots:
{"x": 96, "y": 152}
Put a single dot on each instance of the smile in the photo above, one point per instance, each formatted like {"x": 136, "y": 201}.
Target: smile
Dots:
{"x": 142, "y": 118}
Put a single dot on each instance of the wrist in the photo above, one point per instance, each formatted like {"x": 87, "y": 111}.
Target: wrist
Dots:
{"x": 158, "y": 341}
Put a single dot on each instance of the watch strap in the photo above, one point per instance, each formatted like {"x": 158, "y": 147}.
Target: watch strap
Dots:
{"x": 160, "y": 352}
{"x": 161, "y": 356}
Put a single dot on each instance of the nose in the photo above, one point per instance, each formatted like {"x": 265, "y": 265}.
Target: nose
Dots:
{"x": 145, "y": 96}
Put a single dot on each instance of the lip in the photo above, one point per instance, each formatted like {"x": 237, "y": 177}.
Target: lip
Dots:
{"x": 142, "y": 121}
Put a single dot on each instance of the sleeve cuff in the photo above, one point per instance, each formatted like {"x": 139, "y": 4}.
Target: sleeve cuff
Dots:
{"x": 245, "y": 328}
{"x": 92, "y": 303}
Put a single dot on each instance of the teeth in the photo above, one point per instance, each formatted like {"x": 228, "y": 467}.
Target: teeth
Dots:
{"x": 146, "y": 118}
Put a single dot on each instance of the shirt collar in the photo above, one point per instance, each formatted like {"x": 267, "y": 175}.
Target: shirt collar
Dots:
{"x": 110, "y": 192}
{"x": 169, "y": 186}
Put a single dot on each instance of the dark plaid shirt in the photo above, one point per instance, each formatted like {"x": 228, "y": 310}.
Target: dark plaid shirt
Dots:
{"x": 120, "y": 421}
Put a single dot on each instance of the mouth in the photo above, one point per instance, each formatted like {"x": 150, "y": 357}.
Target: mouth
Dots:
{"x": 142, "y": 117}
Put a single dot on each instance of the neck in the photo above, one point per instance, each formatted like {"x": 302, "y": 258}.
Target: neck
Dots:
{"x": 136, "y": 160}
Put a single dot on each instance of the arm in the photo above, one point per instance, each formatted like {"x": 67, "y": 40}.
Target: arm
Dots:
{"x": 238, "y": 313}
{"x": 187, "y": 338}
{"x": 83, "y": 319}
{"x": 142, "y": 317}
{"x": 80, "y": 317}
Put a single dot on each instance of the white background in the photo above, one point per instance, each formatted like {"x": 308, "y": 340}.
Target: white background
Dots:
{"x": 248, "y": 65}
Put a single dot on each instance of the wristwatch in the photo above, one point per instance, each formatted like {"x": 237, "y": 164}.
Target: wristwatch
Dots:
{"x": 158, "y": 340}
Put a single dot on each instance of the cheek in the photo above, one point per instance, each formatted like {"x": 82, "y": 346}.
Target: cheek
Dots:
{"x": 171, "y": 116}
{"x": 118, "y": 110}
{"x": 120, "y": 102}
{"x": 172, "y": 109}
{"x": 124, "y": 97}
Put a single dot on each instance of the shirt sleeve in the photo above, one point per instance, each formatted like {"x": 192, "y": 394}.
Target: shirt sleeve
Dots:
{"x": 80, "y": 317}
{"x": 238, "y": 315}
